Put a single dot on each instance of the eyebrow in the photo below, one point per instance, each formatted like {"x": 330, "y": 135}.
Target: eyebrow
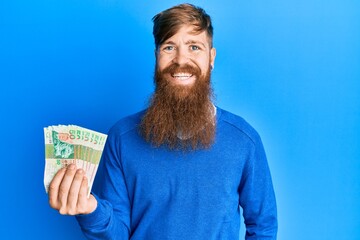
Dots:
{"x": 187, "y": 43}
{"x": 168, "y": 42}
{"x": 195, "y": 42}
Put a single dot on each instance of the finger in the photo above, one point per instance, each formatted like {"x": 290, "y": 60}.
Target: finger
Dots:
{"x": 74, "y": 192}
{"x": 54, "y": 188}
{"x": 82, "y": 198}
{"x": 64, "y": 188}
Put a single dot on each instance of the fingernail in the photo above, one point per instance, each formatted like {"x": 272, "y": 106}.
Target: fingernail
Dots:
{"x": 71, "y": 166}
{"x": 80, "y": 171}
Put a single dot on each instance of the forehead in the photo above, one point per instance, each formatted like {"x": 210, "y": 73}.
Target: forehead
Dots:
{"x": 189, "y": 33}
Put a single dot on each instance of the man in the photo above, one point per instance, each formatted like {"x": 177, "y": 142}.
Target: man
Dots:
{"x": 182, "y": 168}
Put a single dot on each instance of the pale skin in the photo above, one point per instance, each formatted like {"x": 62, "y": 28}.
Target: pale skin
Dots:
{"x": 68, "y": 189}
{"x": 186, "y": 47}
{"x": 68, "y": 192}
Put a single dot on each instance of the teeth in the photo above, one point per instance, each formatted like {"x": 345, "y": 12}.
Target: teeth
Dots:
{"x": 182, "y": 75}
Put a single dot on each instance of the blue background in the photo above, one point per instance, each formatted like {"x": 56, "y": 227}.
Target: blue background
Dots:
{"x": 289, "y": 67}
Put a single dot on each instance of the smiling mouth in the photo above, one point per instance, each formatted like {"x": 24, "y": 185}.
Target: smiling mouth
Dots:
{"x": 182, "y": 76}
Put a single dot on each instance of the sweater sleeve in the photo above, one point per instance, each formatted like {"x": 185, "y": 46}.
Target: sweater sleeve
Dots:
{"x": 111, "y": 218}
{"x": 257, "y": 196}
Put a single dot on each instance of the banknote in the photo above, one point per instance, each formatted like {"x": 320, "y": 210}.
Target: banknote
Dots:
{"x": 71, "y": 144}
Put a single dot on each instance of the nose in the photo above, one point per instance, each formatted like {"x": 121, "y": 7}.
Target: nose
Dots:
{"x": 181, "y": 56}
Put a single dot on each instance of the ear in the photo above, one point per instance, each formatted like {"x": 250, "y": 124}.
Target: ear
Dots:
{"x": 212, "y": 57}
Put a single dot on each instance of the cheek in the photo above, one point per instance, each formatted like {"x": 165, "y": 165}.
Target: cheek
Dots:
{"x": 203, "y": 62}
{"x": 162, "y": 62}
{"x": 204, "y": 67}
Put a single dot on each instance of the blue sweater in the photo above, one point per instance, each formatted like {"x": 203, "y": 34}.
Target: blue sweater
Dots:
{"x": 150, "y": 193}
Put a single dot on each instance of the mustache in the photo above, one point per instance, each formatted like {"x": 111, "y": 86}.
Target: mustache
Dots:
{"x": 187, "y": 68}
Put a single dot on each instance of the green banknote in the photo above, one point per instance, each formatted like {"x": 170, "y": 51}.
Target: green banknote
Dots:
{"x": 71, "y": 144}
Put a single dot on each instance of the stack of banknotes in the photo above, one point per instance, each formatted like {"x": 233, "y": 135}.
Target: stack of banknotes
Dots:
{"x": 70, "y": 144}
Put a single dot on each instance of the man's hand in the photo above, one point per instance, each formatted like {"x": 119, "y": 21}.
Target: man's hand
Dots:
{"x": 68, "y": 192}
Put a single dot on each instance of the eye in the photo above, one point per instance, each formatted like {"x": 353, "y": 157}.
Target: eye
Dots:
{"x": 194, "y": 47}
{"x": 168, "y": 48}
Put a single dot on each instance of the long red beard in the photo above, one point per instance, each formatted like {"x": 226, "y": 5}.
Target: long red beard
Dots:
{"x": 181, "y": 117}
